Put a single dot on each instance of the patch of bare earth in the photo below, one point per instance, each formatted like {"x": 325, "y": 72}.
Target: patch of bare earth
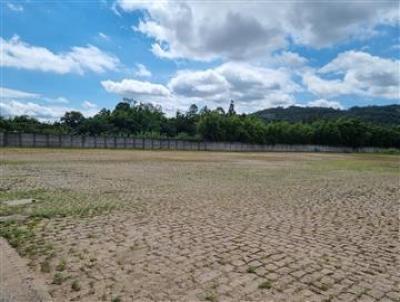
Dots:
{"x": 189, "y": 226}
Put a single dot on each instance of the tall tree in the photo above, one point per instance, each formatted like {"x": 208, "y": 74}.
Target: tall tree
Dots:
{"x": 73, "y": 119}
{"x": 231, "y": 110}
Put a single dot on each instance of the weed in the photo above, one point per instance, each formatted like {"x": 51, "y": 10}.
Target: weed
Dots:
{"x": 58, "y": 278}
{"x": 251, "y": 270}
{"x": 211, "y": 297}
{"x": 75, "y": 286}
{"x": 45, "y": 267}
{"x": 56, "y": 203}
{"x": 61, "y": 265}
{"x": 116, "y": 299}
{"x": 18, "y": 236}
{"x": 265, "y": 285}
{"x": 324, "y": 287}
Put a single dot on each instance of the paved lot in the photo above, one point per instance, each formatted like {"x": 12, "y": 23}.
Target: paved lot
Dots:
{"x": 187, "y": 226}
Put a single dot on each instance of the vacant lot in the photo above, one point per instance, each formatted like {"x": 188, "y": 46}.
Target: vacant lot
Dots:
{"x": 119, "y": 225}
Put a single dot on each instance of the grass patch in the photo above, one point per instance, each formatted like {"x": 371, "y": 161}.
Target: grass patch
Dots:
{"x": 265, "y": 285}
{"x": 75, "y": 286}
{"x": 251, "y": 270}
{"x": 22, "y": 237}
{"x": 61, "y": 265}
{"x": 56, "y": 203}
{"x": 59, "y": 278}
{"x": 359, "y": 163}
{"x": 324, "y": 287}
{"x": 211, "y": 297}
{"x": 16, "y": 235}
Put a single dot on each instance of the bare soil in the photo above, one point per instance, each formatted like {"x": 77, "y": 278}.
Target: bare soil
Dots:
{"x": 204, "y": 226}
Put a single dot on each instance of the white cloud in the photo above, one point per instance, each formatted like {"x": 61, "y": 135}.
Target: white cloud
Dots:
{"x": 104, "y": 36}
{"x": 16, "y": 94}
{"x": 356, "y": 73}
{"x": 142, "y": 71}
{"x": 251, "y": 87}
{"x": 15, "y": 102}
{"x": 135, "y": 88}
{"x": 58, "y": 100}
{"x": 15, "y": 7}
{"x": 41, "y": 112}
{"x": 200, "y": 84}
{"x": 325, "y": 103}
{"x": 289, "y": 59}
{"x": 88, "y": 105}
{"x": 233, "y": 30}
{"x": 18, "y": 54}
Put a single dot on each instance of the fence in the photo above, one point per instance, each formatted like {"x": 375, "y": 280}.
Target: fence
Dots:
{"x": 13, "y": 139}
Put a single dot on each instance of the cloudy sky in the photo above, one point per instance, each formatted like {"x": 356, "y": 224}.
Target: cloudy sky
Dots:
{"x": 86, "y": 55}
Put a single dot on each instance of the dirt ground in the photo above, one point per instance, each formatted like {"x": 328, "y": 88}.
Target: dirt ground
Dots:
{"x": 119, "y": 225}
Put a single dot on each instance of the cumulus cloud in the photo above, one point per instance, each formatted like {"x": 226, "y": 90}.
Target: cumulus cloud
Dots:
{"x": 16, "y": 102}
{"x": 142, "y": 71}
{"x": 200, "y": 84}
{"x": 251, "y": 87}
{"x": 208, "y": 30}
{"x": 289, "y": 59}
{"x": 356, "y": 73}
{"x": 18, "y": 54}
{"x": 135, "y": 88}
{"x": 325, "y": 103}
{"x": 323, "y": 23}
{"x": 41, "y": 112}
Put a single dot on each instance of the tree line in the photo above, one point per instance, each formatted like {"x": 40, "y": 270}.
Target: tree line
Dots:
{"x": 384, "y": 115}
{"x": 130, "y": 118}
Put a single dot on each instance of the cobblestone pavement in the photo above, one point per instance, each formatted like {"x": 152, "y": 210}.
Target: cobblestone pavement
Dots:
{"x": 221, "y": 227}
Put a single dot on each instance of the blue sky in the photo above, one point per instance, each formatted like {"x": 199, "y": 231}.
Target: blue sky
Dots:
{"x": 86, "y": 55}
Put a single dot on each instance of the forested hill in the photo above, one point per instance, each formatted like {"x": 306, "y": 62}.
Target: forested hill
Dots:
{"x": 375, "y": 114}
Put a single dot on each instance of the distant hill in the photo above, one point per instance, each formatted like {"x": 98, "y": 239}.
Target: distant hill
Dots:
{"x": 375, "y": 114}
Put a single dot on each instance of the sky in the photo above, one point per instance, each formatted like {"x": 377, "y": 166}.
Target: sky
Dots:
{"x": 58, "y": 56}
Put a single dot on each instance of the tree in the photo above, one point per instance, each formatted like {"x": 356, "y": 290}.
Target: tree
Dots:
{"x": 193, "y": 110}
{"x": 73, "y": 119}
{"x": 231, "y": 110}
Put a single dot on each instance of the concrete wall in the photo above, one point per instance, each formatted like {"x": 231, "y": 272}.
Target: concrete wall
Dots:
{"x": 12, "y": 139}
